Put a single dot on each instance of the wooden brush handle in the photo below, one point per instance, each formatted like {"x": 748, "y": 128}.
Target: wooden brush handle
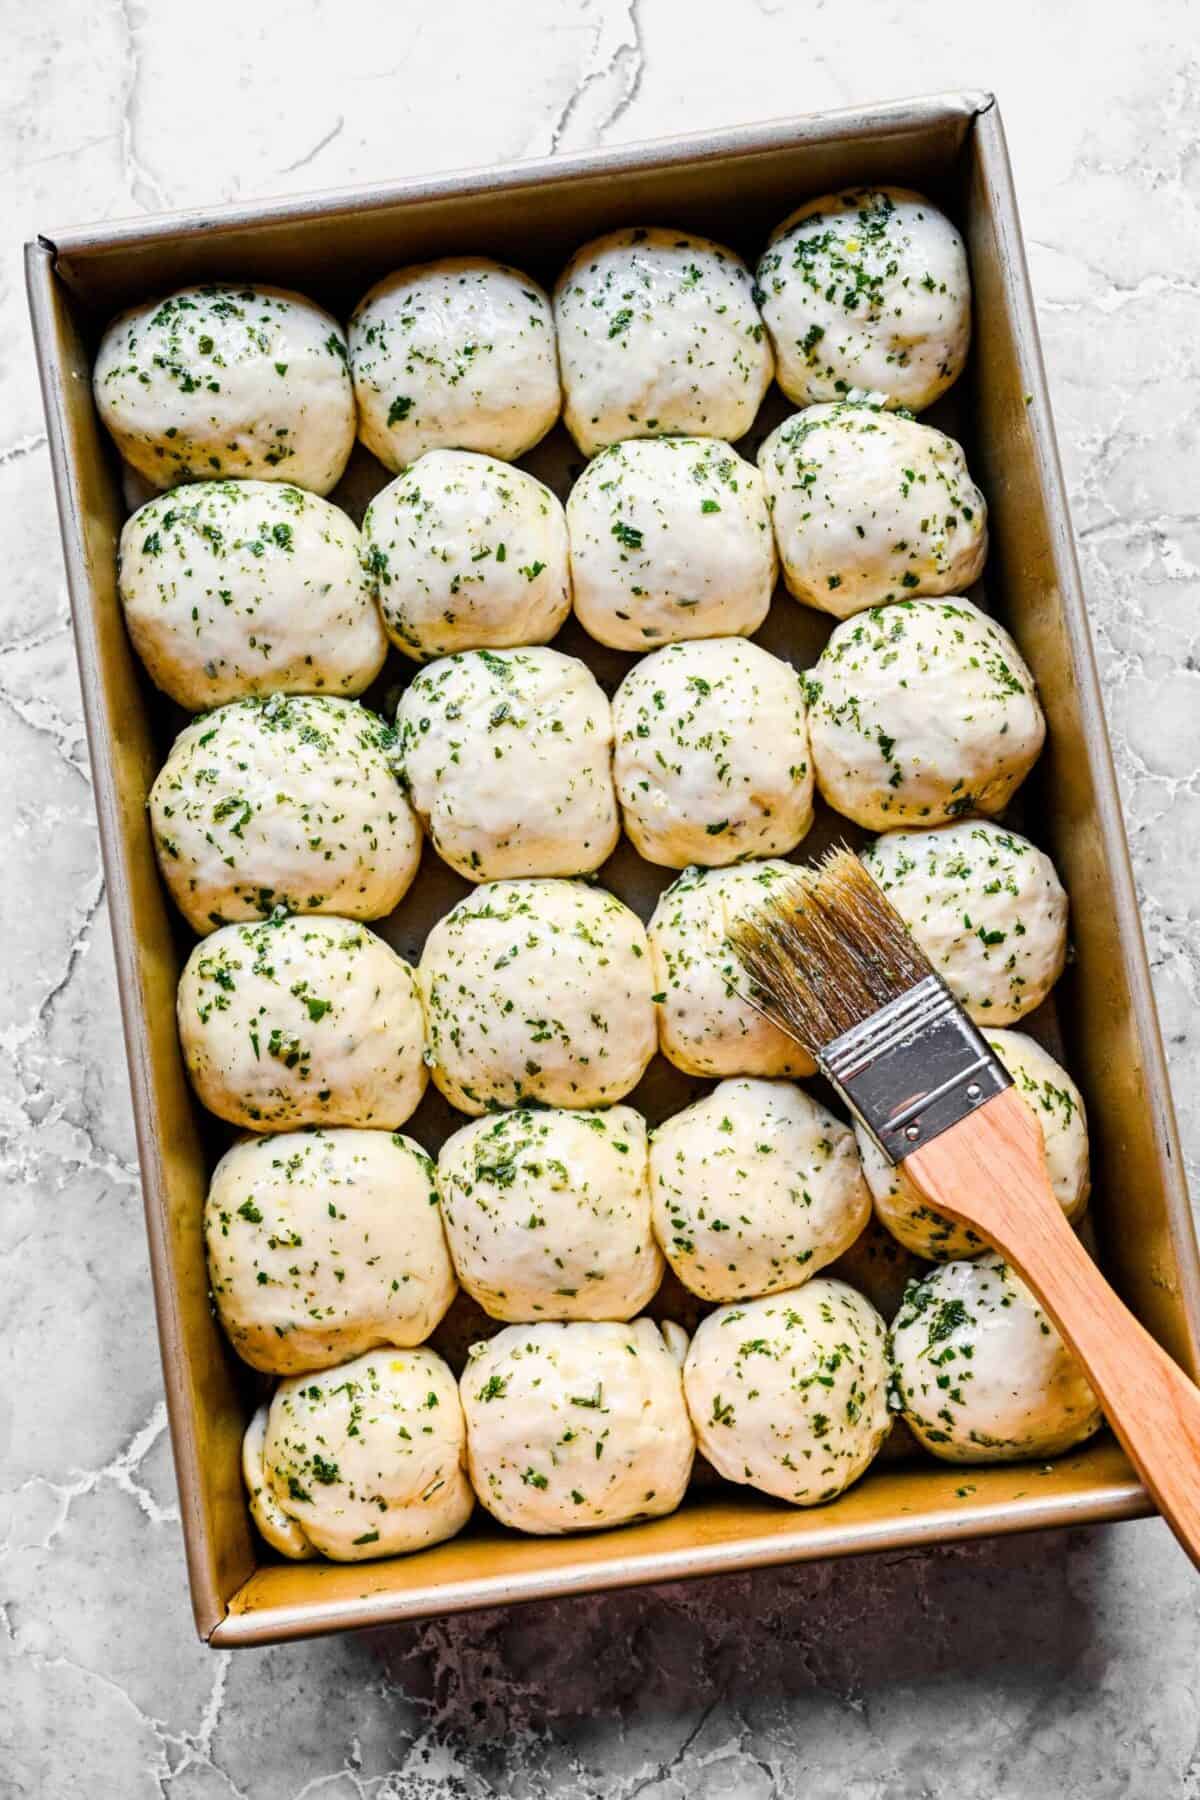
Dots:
{"x": 989, "y": 1172}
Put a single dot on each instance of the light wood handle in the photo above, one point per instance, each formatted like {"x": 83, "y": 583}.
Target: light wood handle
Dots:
{"x": 989, "y": 1172}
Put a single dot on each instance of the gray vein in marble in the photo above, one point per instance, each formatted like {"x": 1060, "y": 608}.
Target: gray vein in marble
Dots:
{"x": 144, "y": 185}
{"x": 609, "y": 85}
{"x": 25, "y": 447}
{"x": 302, "y": 162}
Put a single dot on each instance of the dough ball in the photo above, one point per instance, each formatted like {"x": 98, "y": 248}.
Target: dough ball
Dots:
{"x": 548, "y": 1214}
{"x": 704, "y": 1025}
{"x": 302, "y": 1021}
{"x": 658, "y": 332}
{"x": 712, "y": 759}
{"x": 919, "y": 712}
{"x": 468, "y": 553}
{"x": 789, "y": 1395}
{"x": 457, "y": 354}
{"x": 868, "y": 507}
{"x": 571, "y": 1427}
{"x": 248, "y": 587}
{"x": 754, "y": 1188}
{"x": 670, "y": 539}
{"x": 279, "y": 1529}
{"x": 223, "y": 380}
{"x": 867, "y": 289}
{"x": 322, "y": 1244}
{"x": 289, "y": 801}
{"x": 507, "y": 755}
{"x": 987, "y": 908}
{"x": 369, "y": 1458}
{"x": 537, "y": 991}
{"x": 980, "y": 1372}
{"x": 1057, "y": 1105}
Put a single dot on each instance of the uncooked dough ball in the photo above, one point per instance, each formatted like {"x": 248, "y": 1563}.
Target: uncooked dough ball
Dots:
{"x": 868, "y": 507}
{"x": 705, "y": 1027}
{"x": 1057, "y": 1105}
{"x": 468, "y": 553}
{"x": 279, "y": 1529}
{"x": 570, "y": 1427}
{"x": 222, "y": 380}
{"x": 537, "y": 991}
{"x": 548, "y": 1214}
{"x": 754, "y": 1188}
{"x": 867, "y": 289}
{"x": 670, "y": 539}
{"x": 322, "y": 1244}
{"x": 248, "y": 587}
{"x": 980, "y": 1372}
{"x": 919, "y": 712}
{"x": 712, "y": 758}
{"x": 507, "y": 756}
{"x": 369, "y": 1459}
{"x": 987, "y": 908}
{"x": 658, "y": 332}
{"x": 789, "y": 1394}
{"x": 302, "y": 1021}
{"x": 456, "y": 354}
{"x": 290, "y": 801}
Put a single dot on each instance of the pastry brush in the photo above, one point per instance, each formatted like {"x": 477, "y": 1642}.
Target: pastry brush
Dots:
{"x": 833, "y": 965}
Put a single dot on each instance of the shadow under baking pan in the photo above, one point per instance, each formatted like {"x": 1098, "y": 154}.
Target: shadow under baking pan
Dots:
{"x": 733, "y": 185}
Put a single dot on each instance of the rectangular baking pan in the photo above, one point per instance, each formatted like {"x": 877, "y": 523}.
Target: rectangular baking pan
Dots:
{"x": 733, "y": 185}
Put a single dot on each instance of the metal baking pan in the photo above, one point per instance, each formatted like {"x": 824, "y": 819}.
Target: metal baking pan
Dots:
{"x": 733, "y": 185}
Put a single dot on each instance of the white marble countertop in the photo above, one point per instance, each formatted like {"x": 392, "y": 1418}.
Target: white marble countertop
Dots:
{"x": 1062, "y": 1666}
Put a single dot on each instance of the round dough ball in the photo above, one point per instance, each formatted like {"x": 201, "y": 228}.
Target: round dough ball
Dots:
{"x": 705, "y": 1027}
{"x": 290, "y": 801}
{"x": 507, "y": 756}
{"x": 868, "y": 507}
{"x": 322, "y": 1244}
{"x": 548, "y": 1214}
{"x": 248, "y": 587}
{"x": 537, "y": 991}
{"x": 456, "y": 354}
{"x": 753, "y": 1189}
{"x": 370, "y": 1458}
{"x": 1057, "y": 1105}
{"x": 571, "y": 1427}
{"x": 658, "y": 332}
{"x": 919, "y": 712}
{"x": 712, "y": 758}
{"x": 223, "y": 380}
{"x": 789, "y": 1395}
{"x": 867, "y": 289}
{"x": 987, "y": 908}
{"x": 980, "y": 1372}
{"x": 282, "y": 1532}
{"x": 302, "y": 1021}
{"x": 670, "y": 539}
{"x": 468, "y": 553}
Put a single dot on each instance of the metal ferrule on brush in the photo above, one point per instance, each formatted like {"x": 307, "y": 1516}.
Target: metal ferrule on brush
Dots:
{"x": 914, "y": 1068}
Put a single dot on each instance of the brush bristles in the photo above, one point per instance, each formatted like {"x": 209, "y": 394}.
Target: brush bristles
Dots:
{"x": 824, "y": 952}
